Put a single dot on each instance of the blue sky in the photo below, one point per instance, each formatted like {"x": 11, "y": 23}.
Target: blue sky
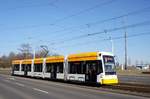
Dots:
{"x": 50, "y": 22}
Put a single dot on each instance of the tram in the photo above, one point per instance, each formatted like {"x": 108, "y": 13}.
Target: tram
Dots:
{"x": 87, "y": 67}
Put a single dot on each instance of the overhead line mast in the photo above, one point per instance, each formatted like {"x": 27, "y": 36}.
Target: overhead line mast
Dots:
{"x": 125, "y": 45}
{"x": 125, "y": 37}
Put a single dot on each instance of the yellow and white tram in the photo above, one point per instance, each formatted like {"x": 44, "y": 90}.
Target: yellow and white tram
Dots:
{"x": 95, "y": 67}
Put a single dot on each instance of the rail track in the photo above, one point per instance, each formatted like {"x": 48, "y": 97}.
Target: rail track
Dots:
{"x": 133, "y": 87}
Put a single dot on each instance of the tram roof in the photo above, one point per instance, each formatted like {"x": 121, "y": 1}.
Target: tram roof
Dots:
{"x": 16, "y": 61}
{"x": 38, "y": 60}
{"x": 84, "y": 56}
{"x": 54, "y": 59}
{"x": 27, "y": 61}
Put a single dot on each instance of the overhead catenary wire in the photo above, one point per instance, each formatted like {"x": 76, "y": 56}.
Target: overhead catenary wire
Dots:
{"x": 31, "y": 5}
{"x": 144, "y": 23}
{"x": 114, "y": 18}
{"x": 107, "y": 39}
{"x": 139, "y": 11}
{"x": 96, "y": 22}
{"x": 66, "y": 17}
{"x": 59, "y": 42}
{"x": 109, "y": 19}
{"x": 85, "y": 10}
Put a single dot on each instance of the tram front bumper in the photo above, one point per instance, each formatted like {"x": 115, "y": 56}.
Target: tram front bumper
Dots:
{"x": 109, "y": 81}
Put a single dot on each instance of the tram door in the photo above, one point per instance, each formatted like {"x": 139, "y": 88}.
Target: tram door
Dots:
{"x": 91, "y": 72}
{"x": 25, "y": 69}
{"x": 54, "y": 72}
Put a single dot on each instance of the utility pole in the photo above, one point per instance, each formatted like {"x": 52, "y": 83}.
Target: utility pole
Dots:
{"x": 125, "y": 38}
{"x": 125, "y": 45}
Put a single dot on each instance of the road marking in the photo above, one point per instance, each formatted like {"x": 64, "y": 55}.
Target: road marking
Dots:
{"x": 40, "y": 90}
{"x": 12, "y": 78}
{"x": 6, "y": 80}
{"x": 19, "y": 84}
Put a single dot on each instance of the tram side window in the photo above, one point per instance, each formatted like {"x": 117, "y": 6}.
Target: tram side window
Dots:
{"x": 95, "y": 66}
{"x": 83, "y": 68}
{"x": 77, "y": 67}
{"x": 72, "y": 68}
{"x": 48, "y": 67}
{"x": 59, "y": 67}
{"x": 16, "y": 67}
{"x": 29, "y": 67}
{"x": 38, "y": 67}
{"x": 22, "y": 67}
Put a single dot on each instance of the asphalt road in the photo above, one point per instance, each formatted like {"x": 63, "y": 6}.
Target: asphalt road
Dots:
{"x": 25, "y": 88}
{"x": 134, "y": 79}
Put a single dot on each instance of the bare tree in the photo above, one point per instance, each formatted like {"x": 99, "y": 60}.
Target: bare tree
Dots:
{"x": 25, "y": 51}
{"x": 11, "y": 57}
{"x": 4, "y": 62}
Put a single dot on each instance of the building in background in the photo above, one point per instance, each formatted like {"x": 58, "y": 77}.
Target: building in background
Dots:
{"x": 143, "y": 66}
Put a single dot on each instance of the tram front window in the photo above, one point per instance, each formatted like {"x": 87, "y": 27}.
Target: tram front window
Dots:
{"x": 109, "y": 65}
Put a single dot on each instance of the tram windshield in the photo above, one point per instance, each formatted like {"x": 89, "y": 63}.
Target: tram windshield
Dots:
{"x": 109, "y": 65}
